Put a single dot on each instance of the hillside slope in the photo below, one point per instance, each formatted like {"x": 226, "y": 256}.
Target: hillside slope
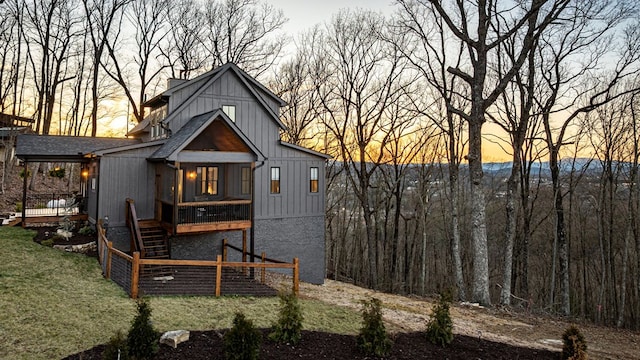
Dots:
{"x": 411, "y": 314}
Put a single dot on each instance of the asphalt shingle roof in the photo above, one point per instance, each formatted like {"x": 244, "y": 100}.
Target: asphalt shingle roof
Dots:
{"x": 64, "y": 148}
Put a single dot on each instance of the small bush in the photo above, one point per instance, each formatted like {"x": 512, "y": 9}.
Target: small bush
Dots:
{"x": 242, "y": 341}
{"x": 142, "y": 339}
{"x": 21, "y": 174}
{"x": 440, "y": 326}
{"x": 574, "y": 346}
{"x": 116, "y": 348}
{"x": 86, "y": 230}
{"x": 19, "y": 206}
{"x": 47, "y": 242}
{"x": 58, "y": 237}
{"x": 373, "y": 338}
{"x": 289, "y": 325}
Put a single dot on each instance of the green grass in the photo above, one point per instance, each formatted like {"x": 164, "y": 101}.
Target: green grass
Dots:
{"x": 53, "y": 304}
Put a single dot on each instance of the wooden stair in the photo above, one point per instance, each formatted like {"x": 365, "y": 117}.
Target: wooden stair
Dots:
{"x": 154, "y": 245}
{"x": 154, "y": 240}
{"x": 150, "y": 239}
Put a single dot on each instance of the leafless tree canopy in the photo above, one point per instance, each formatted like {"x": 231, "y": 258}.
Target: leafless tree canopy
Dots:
{"x": 407, "y": 105}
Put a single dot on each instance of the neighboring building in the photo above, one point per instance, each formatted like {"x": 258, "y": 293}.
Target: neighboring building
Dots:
{"x": 207, "y": 163}
{"x": 10, "y": 127}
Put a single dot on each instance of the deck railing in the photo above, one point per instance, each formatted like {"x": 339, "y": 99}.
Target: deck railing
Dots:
{"x": 139, "y": 276}
{"x": 207, "y": 212}
{"x": 53, "y": 204}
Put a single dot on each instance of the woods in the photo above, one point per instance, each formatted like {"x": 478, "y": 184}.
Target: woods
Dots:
{"x": 408, "y": 104}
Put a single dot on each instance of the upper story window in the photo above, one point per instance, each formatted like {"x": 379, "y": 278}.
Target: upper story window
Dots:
{"x": 275, "y": 180}
{"x": 208, "y": 179}
{"x": 245, "y": 181}
{"x": 155, "y": 118}
{"x": 230, "y": 110}
{"x": 313, "y": 180}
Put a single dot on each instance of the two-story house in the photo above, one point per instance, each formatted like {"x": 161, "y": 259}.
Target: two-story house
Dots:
{"x": 207, "y": 163}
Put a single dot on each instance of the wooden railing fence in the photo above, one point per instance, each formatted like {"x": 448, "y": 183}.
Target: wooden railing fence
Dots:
{"x": 126, "y": 270}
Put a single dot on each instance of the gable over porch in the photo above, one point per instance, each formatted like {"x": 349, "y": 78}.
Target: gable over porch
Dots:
{"x": 204, "y": 177}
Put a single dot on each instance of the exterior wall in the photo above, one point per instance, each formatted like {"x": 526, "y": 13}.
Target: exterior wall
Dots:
{"x": 196, "y": 247}
{"x": 281, "y": 239}
{"x": 126, "y": 175}
{"x": 286, "y": 238}
{"x": 251, "y": 117}
{"x": 295, "y": 198}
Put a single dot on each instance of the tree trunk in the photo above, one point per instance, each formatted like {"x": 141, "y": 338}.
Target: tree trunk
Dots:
{"x": 510, "y": 229}
{"x": 480, "y": 291}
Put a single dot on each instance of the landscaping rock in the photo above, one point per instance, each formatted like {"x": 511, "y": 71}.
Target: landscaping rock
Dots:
{"x": 82, "y": 248}
{"x": 175, "y": 337}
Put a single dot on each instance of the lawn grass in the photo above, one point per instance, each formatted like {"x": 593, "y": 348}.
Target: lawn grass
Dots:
{"x": 53, "y": 304}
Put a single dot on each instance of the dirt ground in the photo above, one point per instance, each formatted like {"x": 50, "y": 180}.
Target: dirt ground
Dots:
{"x": 409, "y": 314}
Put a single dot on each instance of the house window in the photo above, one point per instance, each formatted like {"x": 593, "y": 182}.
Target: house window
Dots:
{"x": 208, "y": 179}
{"x": 230, "y": 110}
{"x": 155, "y": 119}
{"x": 275, "y": 180}
{"x": 313, "y": 179}
{"x": 246, "y": 181}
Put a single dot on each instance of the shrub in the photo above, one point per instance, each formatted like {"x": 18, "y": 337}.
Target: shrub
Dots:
{"x": 47, "y": 242}
{"x": 86, "y": 230}
{"x": 21, "y": 174}
{"x": 142, "y": 339}
{"x": 57, "y": 172}
{"x": 116, "y": 348}
{"x": 19, "y": 206}
{"x": 242, "y": 341}
{"x": 440, "y": 326}
{"x": 574, "y": 346}
{"x": 373, "y": 338}
{"x": 287, "y": 329}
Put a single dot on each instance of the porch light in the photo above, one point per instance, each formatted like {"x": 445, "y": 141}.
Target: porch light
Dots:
{"x": 85, "y": 173}
{"x": 191, "y": 175}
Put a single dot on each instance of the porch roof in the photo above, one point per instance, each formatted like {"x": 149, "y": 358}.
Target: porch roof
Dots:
{"x": 64, "y": 148}
{"x": 183, "y": 137}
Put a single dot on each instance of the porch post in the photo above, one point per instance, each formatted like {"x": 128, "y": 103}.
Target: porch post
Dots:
{"x": 253, "y": 212}
{"x": 24, "y": 192}
{"x": 176, "y": 182}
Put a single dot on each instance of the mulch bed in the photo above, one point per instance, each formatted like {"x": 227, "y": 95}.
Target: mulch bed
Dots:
{"x": 49, "y": 232}
{"x": 319, "y": 345}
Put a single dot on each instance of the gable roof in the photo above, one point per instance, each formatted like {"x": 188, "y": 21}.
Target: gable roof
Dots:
{"x": 64, "y": 148}
{"x": 196, "y": 125}
{"x": 305, "y": 150}
{"x": 251, "y": 84}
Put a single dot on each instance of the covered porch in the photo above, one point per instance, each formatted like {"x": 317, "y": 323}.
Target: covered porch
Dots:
{"x": 205, "y": 177}
{"x": 204, "y": 197}
{"x": 72, "y": 155}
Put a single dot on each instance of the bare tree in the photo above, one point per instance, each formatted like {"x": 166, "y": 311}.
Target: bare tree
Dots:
{"x": 51, "y": 26}
{"x": 294, "y": 83}
{"x": 431, "y": 57}
{"x": 103, "y": 18}
{"x": 494, "y": 24}
{"x": 184, "y": 51}
{"x": 148, "y": 17}
{"x": 581, "y": 45}
{"x": 361, "y": 78}
{"x": 244, "y": 32}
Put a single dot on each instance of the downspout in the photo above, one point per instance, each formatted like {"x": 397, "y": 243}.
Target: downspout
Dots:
{"x": 24, "y": 192}
{"x": 252, "y": 241}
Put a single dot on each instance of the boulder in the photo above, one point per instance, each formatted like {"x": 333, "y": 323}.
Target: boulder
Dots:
{"x": 175, "y": 337}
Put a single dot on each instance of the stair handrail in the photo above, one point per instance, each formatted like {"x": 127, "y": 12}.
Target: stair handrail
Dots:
{"x": 134, "y": 226}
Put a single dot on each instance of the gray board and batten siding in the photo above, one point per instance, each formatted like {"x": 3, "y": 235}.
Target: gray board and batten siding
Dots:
{"x": 125, "y": 173}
